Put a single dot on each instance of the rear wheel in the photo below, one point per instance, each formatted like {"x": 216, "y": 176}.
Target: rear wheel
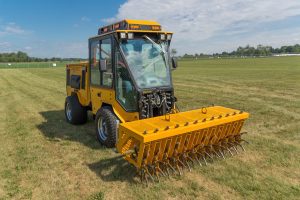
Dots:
{"x": 75, "y": 113}
{"x": 106, "y": 127}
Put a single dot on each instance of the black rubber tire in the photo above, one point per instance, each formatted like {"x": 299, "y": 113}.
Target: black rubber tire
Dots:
{"x": 110, "y": 120}
{"x": 78, "y": 114}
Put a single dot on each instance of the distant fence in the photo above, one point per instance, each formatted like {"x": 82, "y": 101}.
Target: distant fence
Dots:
{"x": 32, "y": 65}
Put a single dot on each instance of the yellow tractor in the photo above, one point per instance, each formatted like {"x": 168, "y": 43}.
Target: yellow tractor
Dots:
{"x": 127, "y": 85}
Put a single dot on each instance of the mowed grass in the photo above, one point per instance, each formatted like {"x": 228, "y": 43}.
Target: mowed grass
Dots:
{"x": 43, "y": 157}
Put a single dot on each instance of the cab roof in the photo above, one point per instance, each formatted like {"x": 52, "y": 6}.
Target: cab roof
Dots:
{"x": 131, "y": 25}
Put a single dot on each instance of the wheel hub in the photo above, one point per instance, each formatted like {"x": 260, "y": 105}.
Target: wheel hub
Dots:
{"x": 102, "y": 129}
{"x": 69, "y": 112}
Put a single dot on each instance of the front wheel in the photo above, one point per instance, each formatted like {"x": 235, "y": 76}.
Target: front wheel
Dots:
{"x": 106, "y": 127}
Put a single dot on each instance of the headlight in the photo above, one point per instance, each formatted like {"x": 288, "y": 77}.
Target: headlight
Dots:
{"x": 130, "y": 35}
{"x": 122, "y": 35}
{"x": 162, "y": 36}
{"x": 169, "y": 36}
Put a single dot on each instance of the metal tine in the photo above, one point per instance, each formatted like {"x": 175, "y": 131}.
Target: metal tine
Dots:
{"x": 154, "y": 173}
{"x": 229, "y": 151}
{"x": 240, "y": 145}
{"x": 181, "y": 162}
{"x": 164, "y": 168}
{"x": 219, "y": 149}
{"x": 189, "y": 166}
{"x": 235, "y": 149}
{"x": 211, "y": 150}
{"x": 226, "y": 148}
{"x": 144, "y": 177}
{"x": 196, "y": 157}
{"x": 245, "y": 141}
{"x": 178, "y": 168}
{"x": 167, "y": 171}
{"x": 222, "y": 154}
{"x": 141, "y": 175}
{"x": 147, "y": 171}
{"x": 161, "y": 171}
{"x": 216, "y": 153}
{"x": 157, "y": 176}
{"x": 203, "y": 157}
{"x": 174, "y": 161}
{"x": 167, "y": 163}
{"x": 233, "y": 146}
{"x": 208, "y": 155}
{"x": 230, "y": 143}
{"x": 147, "y": 181}
{"x": 171, "y": 167}
{"x": 191, "y": 159}
{"x": 185, "y": 160}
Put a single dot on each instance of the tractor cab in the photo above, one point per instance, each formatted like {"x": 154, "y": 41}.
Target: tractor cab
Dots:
{"x": 132, "y": 57}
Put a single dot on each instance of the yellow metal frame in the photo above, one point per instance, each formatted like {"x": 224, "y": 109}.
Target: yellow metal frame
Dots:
{"x": 157, "y": 137}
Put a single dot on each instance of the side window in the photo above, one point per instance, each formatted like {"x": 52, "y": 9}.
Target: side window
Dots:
{"x": 95, "y": 57}
{"x": 126, "y": 93}
{"x": 105, "y": 54}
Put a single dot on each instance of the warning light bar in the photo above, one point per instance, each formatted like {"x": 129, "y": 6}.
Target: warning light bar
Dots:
{"x": 131, "y": 25}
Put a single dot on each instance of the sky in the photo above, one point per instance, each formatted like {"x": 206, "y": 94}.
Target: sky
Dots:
{"x": 61, "y": 28}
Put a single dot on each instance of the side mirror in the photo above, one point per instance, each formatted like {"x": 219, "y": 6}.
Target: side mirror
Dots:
{"x": 103, "y": 65}
{"x": 174, "y": 63}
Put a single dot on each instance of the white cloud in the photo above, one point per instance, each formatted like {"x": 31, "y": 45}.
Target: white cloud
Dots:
{"x": 28, "y": 48}
{"x": 198, "y": 21}
{"x": 5, "y": 47}
{"x": 85, "y": 19}
{"x": 11, "y": 29}
{"x": 74, "y": 49}
{"x": 4, "y": 44}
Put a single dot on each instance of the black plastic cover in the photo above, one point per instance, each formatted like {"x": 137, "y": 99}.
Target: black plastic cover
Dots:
{"x": 75, "y": 81}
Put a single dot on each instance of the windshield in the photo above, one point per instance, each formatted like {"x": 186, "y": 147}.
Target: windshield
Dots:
{"x": 147, "y": 62}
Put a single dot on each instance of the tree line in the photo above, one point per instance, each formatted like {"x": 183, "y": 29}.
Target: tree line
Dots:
{"x": 23, "y": 57}
{"x": 250, "y": 51}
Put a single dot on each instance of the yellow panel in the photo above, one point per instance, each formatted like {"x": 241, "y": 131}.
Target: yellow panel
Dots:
{"x": 83, "y": 94}
{"x": 141, "y": 22}
{"x": 100, "y": 95}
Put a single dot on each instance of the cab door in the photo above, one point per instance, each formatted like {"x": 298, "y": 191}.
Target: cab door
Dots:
{"x": 101, "y": 52}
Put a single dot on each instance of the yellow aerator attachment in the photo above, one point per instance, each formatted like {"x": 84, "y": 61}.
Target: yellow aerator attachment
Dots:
{"x": 166, "y": 144}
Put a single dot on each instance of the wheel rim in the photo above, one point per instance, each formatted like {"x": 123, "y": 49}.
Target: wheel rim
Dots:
{"x": 69, "y": 111}
{"x": 102, "y": 129}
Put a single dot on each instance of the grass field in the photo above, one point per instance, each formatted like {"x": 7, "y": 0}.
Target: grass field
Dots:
{"x": 43, "y": 157}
